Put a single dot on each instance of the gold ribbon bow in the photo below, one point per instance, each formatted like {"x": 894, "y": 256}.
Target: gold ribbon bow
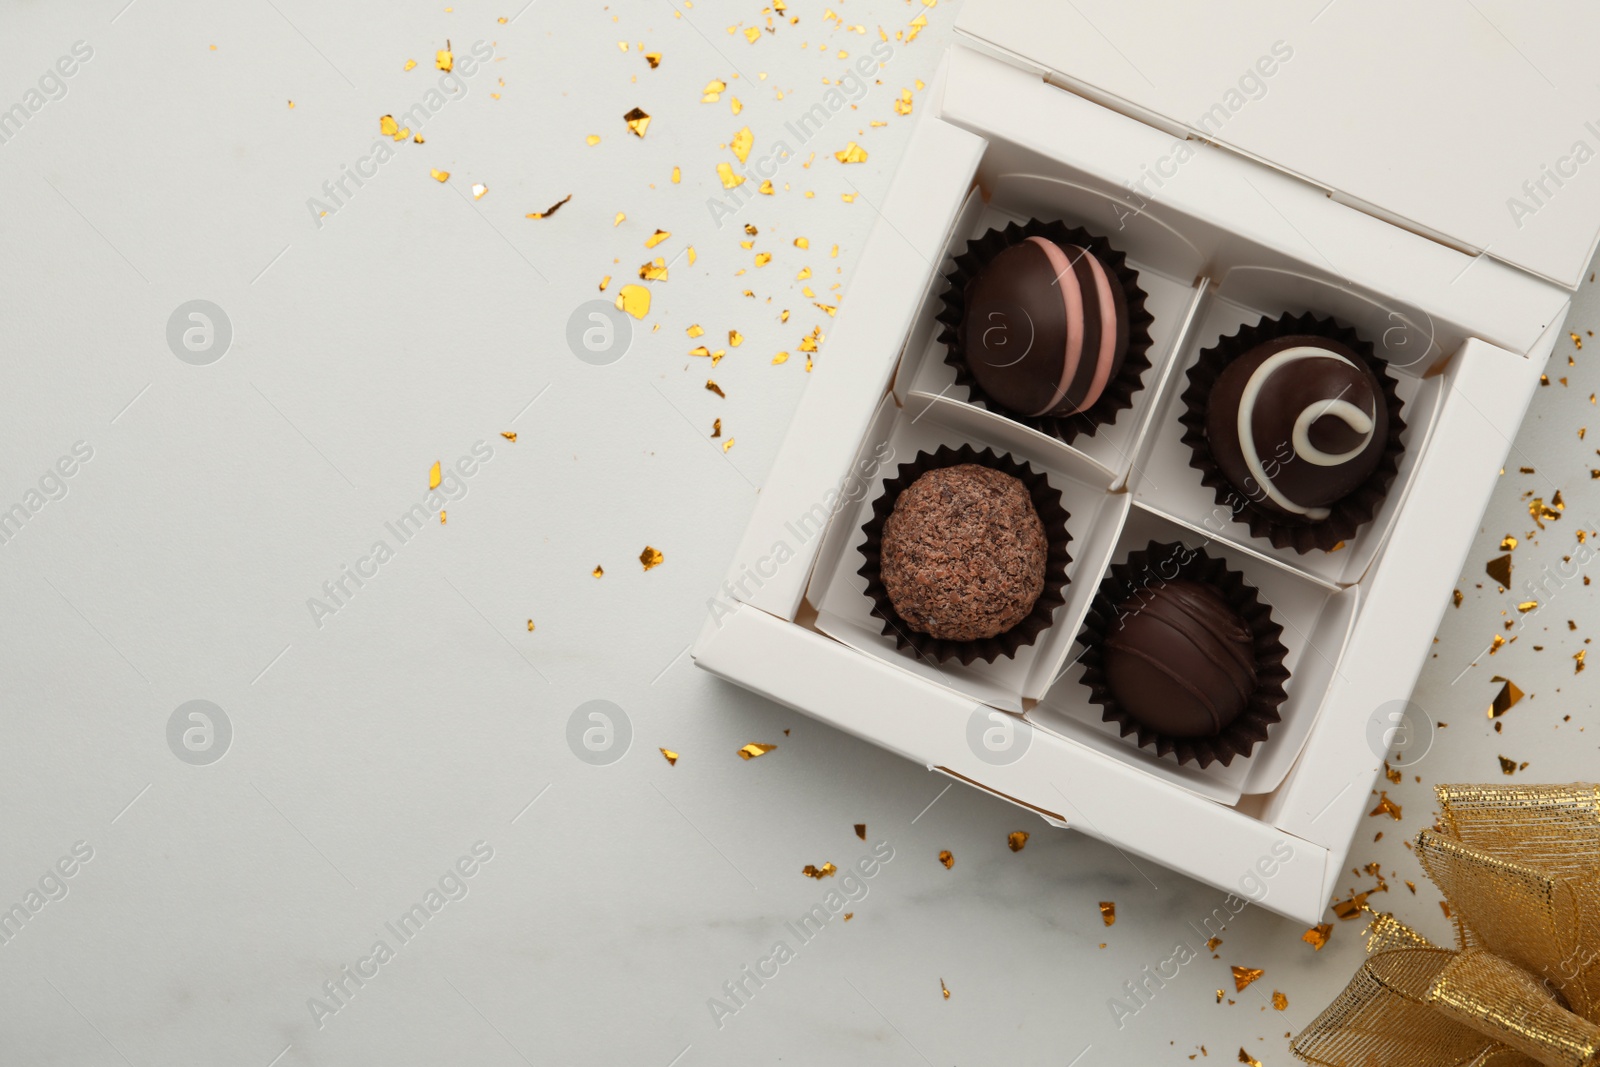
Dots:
{"x": 1520, "y": 868}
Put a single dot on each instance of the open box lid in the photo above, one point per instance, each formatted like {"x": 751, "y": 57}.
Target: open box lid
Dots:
{"x": 1459, "y": 121}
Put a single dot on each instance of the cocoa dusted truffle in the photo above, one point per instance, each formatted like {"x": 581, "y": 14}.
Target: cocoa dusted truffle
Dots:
{"x": 1179, "y": 660}
{"x": 1296, "y": 425}
{"x": 1046, "y": 328}
{"x": 964, "y": 553}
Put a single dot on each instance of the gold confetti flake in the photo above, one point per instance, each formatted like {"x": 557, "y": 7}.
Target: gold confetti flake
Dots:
{"x": 752, "y": 34}
{"x": 805, "y": 272}
{"x": 1506, "y": 699}
{"x": 947, "y": 858}
{"x": 1527, "y": 606}
{"x": 389, "y": 127}
{"x": 677, "y": 175}
{"x": 656, "y": 238}
{"x": 741, "y": 144}
{"x": 599, "y": 571}
{"x": 593, "y": 139}
{"x": 653, "y": 58}
{"x": 1507, "y": 766}
{"x": 734, "y": 104}
{"x": 655, "y": 271}
{"x": 755, "y": 750}
{"x": 1507, "y": 543}
{"x": 605, "y": 282}
{"x": 1578, "y": 659}
{"x": 1246, "y": 1058}
{"x": 444, "y": 59}
{"x": 716, "y": 428}
{"x": 1317, "y": 936}
{"x": 440, "y": 176}
{"x": 1391, "y": 773}
{"x": 1108, "y": 912}
{"x": 1351, "y": 908}
{"x": 1496, "y": 644}
{"x": 1499, "y": 569}
{"x": 410, "y": 64}
{"x": 729, "y": 177}
{"x": 700, "y": 351}
{"x": 1279, "y": 1001}
{"x": 1243, "y": 976}
{"x": 713, "y": 91}
{"x": 713, "y": 387}
{"x": 650, "y": 557}
{"x": 766, "y": 188}
{"x": 1212, "y": 943}
{"x": 509, "y": 435}
{"x": 944, "y": 989}
{"x": 1017, "y": 840}
{"x": 735, "y": 338}
{"x": 441, "y": 517}
{"x": 433, "y": 476}
{"x": 763, "y": 258}
{"x": 530, "y": 626}
{"x": 781, "y": 357}
{"x": 861, "y": 830}
{"x": 827, "y": 870}
{"x": 694, "y": 331}
{"x": 1386, "y": 807}
{"x": 692, "y": 256}
{"x": 1539, "y": 511}
{"x": 902, "y": 106}
{"x": 728, "y": 444}
{"x": 851, "y": 153}
{"x": 551, "y": 210}
{"x": 637, "y": 121}
{"x": 849, "y": 915}
{"x": 634, "y": 299}
{"x": 671, "y": 756}
{"x": 478, "y": 189}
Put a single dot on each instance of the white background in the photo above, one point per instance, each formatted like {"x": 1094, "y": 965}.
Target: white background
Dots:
{"x": 370, "y": 752}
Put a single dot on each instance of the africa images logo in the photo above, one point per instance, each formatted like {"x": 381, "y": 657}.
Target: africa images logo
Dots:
{"x": 1007, "y": 336}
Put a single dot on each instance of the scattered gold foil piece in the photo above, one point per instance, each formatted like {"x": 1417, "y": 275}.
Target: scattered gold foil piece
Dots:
{"x": 766, "y": 188}
{"x": 389, "y": 127}
{"x": 655, "y": 271}
{"x": 1506, "y": 699}
{"x": 1496, "y": 644}
{"x": 1456, "y": 597}
{"x": 763, "y": 258}
{"x": 902, "y": 106}
{"x": 593, "y": 139}
{"x": 650, "y": 557}
{"x": 1579, "y": 660}
{"x": 851, "y": 153}
{"x": 713, "y": 91}
{"x": 478, "y": 189}
{"x": 1352, "y": 908}
{"x": 637, "y": 121}
{"x": 861, "y": 830}
{"x": 755, "y": 750}
{"x": 700, "y": 351}
{"x": 672, "y": 757}
{"x": 1386, "y": 807}
{"x": 509, "y": 435}
{"x": 741, "y": 144}
{"x": 1108, "y": 912}
{"x": 781, "y": 357}
{"x": 440, "y": 176}
{"x": 1243, "y": 976}
{"x": 1017, "y": 840}
{"x": 752, "y": 34}
{"x": 1220, "y": 994}
{"x": 692, "y": 256}
{"x": 730, "y": 179}
{"x": 716, "y": 428}
{"x": 849, "y": 915}
{"x": 530, "y": 626}
{"x": 1246, "y": 1058}
{"x": 1507, "y": 543}
{"x": 734, "y": 105}
{"x": 1539, "y": 511}
{"x": 656, "y": 238}
{"x": 694, "y": 331}
{"x": 1527, "y": 606}
{"x": 599, "y": 571}
{"x": 619, "y": 219}
{"x": 1391, "y": 773}
{"x": 410, "y": 63}
{"x": 947, "y": 858}
{"x": 677, "y": 175}
{"x": 713, "y": 387}
{"x": 827, "y": 870}
{"x": 653, "y": 58}
{"x": 728, "y": 444}
{"x": 805, "y": 272}
{"x": 1507, "y": 766}
{"x": 433, "y": 476}
{"x": 944, "y": 989}
{"x": 1212, "y": 943}
{"x": 444, "y": 59}
{"x": 1317, "y": 936}
{"x": 735, "y": 338}
{"x": 551, "y": 210}
{"x": 1499, "y": 569}
{"x": 634, "y": 299}
{"x": 441, "y": 517}
{"x": 605, "y": 282}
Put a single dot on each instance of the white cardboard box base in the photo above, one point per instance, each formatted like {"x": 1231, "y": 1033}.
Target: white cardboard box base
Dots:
{"x": 1479, "y": 333}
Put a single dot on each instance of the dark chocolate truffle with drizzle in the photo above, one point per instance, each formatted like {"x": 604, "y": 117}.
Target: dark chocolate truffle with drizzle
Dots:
{"x": 1046, "y": 328}
{"x": 1296, "y": 425}
{"x": 1180, "y": 661}
{"x": 964, "y": 553}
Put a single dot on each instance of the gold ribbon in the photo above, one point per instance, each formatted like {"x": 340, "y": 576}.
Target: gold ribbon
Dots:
{"x": 1520, "y": 868}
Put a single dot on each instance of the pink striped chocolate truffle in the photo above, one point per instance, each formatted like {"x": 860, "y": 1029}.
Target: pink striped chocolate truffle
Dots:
{"x": 1045, "y": 328}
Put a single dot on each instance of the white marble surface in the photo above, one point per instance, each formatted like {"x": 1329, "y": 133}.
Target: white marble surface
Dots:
{"x": 370, "y": 753}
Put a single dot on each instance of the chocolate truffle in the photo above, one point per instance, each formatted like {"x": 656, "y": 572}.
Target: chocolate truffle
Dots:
{"x": 1179, "y": 660}
{"x": 964, "y": 553}
{"x": 1045, "y": 329}
{"x": 1297, "y": 424}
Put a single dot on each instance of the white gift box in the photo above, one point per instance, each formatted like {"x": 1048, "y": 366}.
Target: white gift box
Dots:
{"x": 1407, "y": 171}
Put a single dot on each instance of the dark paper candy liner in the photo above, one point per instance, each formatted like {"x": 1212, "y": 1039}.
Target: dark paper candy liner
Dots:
{"x": 1118, "y": 394}
{"x": 1349, "y": 514}
{"x": 1046, "y": 501}
{"x": 1149, "y": 568}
